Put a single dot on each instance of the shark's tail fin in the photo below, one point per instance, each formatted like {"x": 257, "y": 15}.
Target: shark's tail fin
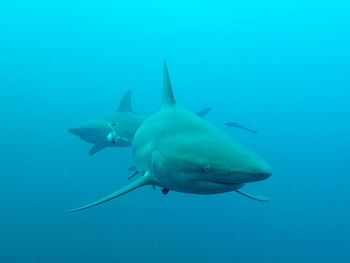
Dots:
{"x": 125, "y": 103}
{"x": 146, "y": 179}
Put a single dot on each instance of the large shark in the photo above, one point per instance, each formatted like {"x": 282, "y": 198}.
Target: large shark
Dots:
{"x": 179, "y": 151}
{"x": 116, "y": 130}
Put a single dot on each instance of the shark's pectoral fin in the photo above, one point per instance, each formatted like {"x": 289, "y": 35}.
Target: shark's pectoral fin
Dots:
{"x": 253, "y": 196}
{"x": 146, "y": 179}
{"x": 96, "y": 148}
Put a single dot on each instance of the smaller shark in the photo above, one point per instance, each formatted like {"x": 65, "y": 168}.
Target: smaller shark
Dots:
{"x": 118, "y": 129}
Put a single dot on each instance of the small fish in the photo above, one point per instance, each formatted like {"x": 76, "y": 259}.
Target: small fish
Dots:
{"x": 239, "y": 126}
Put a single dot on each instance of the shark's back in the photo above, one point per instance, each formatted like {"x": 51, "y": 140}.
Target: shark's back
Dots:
{"x": 171, "y": 121}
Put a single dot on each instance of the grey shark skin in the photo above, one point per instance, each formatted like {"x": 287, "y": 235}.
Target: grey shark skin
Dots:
{"x": 179, "y": 151}
{"x": 116, "y": 130}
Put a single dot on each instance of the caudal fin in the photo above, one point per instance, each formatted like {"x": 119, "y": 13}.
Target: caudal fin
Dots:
{"x": 146, "y": 179}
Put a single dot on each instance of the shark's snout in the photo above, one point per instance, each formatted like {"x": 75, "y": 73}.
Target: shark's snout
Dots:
{"x": 90, "y": 129}
{"x": 249, "y": 169}
{"x": 75, "y": 131}
{"x": 240, "y": 177}
{"x": 92, "y": 132}
{"x": 258, "y": 172}
{"x": 82, "y": 131}
{"x": 254, "y": 177}
{"x": 263, "y": 170}
{"x": 259, "y": 169}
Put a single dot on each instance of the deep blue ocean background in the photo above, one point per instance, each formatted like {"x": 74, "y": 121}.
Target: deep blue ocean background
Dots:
{"x": 281, "y": 67}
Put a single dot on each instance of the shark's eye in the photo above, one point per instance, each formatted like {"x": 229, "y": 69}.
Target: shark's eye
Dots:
{"x": 205, "y": 168}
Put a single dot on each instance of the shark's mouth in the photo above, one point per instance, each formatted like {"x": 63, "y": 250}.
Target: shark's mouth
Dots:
{"x": 232, "y": 178}
{"x": 226, "y": 183}
{"x": 219, "y": 182}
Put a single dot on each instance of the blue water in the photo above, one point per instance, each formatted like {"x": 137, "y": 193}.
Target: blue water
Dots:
{"x": 281, "y": 67}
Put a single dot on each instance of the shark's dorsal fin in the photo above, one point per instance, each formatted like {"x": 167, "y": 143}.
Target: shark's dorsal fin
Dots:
{"x": 168, "y": 95}
{"x": 125, "y": 103}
